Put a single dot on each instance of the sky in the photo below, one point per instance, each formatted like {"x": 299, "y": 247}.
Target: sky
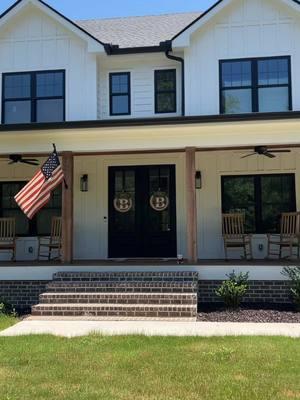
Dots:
{"x": 85, "y": 9}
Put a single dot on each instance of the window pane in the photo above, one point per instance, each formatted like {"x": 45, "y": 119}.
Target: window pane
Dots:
{"x": 237, "y": 101}
{"x": 236, "y": 73}
{"x": 17, "y": 112}
{"x": 278, "y": 196}
{"x": 273, "y": 99}
{"x": 273, "y": 72}
{"x": 165, "y": 80}
{"x": 43, "y": 220}
{"x": 50, "y": 84}
{"x": 17, "y": 86}
{"x": 120, "y": 105}
{"x": 239, "y": 196}
{"x": 50, "y": 110}
{"x": 166, "y": 102}
{"x": 119, "y": 83}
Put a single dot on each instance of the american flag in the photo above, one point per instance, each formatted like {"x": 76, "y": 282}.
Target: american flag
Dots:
{"x": 36, "y": 194}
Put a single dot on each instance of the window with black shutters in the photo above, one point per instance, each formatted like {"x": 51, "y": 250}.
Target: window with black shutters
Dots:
{"x": 165, "y": 91}
{"x": 263, "y": 198}
{"x": 33, "y": 97}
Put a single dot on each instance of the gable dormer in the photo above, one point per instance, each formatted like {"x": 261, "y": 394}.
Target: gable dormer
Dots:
{"x": 236, "y": 44}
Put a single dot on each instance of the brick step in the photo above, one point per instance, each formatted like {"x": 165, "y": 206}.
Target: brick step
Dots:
{"x": 119, "y": 298}
{"x": 115, "y": 310}
{"x": 181, "y": 276}
{"x": 122, "y": 286}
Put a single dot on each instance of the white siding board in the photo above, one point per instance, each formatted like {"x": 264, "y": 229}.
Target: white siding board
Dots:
{"x": 256, "y": 28}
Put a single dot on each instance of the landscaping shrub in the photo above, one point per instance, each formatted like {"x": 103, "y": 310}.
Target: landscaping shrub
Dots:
{"x": 293, "y": 273}
{"x": 234, "y": 289}
{"x": 7, "y": 309}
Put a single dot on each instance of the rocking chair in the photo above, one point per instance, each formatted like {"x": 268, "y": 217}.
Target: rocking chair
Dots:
{"x": 53, "y": 243}
{"x": 8, "y": 236}
{"x": 233, "y": 229}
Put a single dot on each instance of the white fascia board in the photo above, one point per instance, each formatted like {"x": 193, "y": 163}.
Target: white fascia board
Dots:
{"x": 93, "y": 45}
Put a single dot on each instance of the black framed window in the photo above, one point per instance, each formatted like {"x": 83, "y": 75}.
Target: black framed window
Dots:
{"x": 261, "y": 197}
{"x": 255, "y": 85}
{"x": 119, "y": 93}
{"x": 165, "y": 91}
{"x": 33, "y": 97}
{"x": 41, "y": 223}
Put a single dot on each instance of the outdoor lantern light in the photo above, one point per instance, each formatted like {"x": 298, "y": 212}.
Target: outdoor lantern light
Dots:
{"x": 198, "y": 180}
{"x": 84, "y": 183}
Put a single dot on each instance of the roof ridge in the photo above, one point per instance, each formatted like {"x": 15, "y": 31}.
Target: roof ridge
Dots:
{"x": 138, "y": 16}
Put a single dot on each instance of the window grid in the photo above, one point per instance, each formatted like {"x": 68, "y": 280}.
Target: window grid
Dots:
{"x": 172, "y": 92}
{"x": 255, "y": 86}
{"x": 113, "y": 93}
{"x": 33, "y": 98}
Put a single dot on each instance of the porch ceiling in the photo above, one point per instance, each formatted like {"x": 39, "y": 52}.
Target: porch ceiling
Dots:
{"x": 170, "y": 137}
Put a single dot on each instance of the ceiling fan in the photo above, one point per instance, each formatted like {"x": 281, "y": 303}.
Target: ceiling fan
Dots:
{"x": 264, "y": 151}
{"x": 18, "y": 158}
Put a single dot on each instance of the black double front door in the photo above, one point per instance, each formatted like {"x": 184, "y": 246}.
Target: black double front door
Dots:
{"x": 142, "y": 211}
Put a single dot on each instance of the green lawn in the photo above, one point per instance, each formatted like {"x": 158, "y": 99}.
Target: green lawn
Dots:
{"x": 6, "y": 322}
{"x": 100, "y": 368}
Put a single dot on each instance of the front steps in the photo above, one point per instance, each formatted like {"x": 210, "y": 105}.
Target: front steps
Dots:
{"x": 120, "y": 295}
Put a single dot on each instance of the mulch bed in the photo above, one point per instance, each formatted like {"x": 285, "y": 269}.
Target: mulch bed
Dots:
{"x": 249, "y": 314}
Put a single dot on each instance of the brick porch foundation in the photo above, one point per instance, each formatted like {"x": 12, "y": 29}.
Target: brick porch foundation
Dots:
{"x": 23, "y": 294}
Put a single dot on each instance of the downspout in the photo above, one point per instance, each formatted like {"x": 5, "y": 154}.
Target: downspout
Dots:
{"x": 168, "y": 46}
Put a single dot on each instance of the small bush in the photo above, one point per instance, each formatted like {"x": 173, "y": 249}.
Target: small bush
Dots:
{"x": 293, "y": 273}
{"x": 7, "y": 309}
{"x": 234, "y": 289}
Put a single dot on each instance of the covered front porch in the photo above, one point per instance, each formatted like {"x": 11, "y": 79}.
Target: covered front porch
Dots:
{"x": 162, "y": 202}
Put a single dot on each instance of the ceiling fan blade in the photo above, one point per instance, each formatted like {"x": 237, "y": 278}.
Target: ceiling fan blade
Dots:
{"x": 31, "y": 159}
{"x": 29, "y": 162}
{"x": 281, "y": 151}
{"x": 249, "y": 155}
{"x": 270, "y": 155}
{"x": 12, "y": 162}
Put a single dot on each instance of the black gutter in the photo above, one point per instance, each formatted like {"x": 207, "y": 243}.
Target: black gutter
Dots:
{"x": 134, "y": 122}
{"x": 168, "y": 45}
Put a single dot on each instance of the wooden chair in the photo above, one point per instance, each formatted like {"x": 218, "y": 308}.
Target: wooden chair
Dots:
{"x": 48, "y": 245}
{"x": 288, "y": 238}
{"x": 233, "y": 230}
{"x": 8, "y": 236}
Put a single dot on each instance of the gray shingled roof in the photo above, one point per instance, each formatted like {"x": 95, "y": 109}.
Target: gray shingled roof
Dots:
{"x": 138, "y": 31}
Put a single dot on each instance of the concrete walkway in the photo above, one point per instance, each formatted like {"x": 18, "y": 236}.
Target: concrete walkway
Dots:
{"x": 69, "y": 328}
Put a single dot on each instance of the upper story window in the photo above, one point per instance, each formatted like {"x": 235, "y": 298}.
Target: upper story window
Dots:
{"x": 119, "y": 89}
{"x": 33, "y": 97}
{"x": 165, "y": 91}
{"x": 255, "y": 85}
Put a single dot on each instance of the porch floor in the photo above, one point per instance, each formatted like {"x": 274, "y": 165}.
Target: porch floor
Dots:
{"x": 153, "y": 262}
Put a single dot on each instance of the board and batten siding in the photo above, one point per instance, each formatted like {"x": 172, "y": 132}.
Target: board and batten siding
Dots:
{"x": 33, "y": 41}
{"x": 141, "y": 68}
{"x": 244, "y": 29}
{"x": 213, "y": 166}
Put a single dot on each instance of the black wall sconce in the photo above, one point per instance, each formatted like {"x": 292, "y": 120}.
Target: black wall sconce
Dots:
{"x": 84, "y": 183}
{"x": 198, "y": 180}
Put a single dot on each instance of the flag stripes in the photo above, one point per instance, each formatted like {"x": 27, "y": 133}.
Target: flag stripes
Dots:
{"x": 37, "y": 193}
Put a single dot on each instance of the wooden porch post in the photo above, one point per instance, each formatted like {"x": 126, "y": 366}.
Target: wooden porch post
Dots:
{"x": 67, "y": 208}
{"x": 191, "y": 217}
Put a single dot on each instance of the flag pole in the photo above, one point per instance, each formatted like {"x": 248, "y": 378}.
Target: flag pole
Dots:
{"x": 55, "y": 151}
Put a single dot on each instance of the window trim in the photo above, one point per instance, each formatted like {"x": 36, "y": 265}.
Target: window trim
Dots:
{"x": 257, "y": 195}
{"x": 32, "y": 224}
{"x": 157, "y": 92}
{"x": 254, "y": 87}
{"x": 33, "y": 98}
{"x": 111, "y": 94}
